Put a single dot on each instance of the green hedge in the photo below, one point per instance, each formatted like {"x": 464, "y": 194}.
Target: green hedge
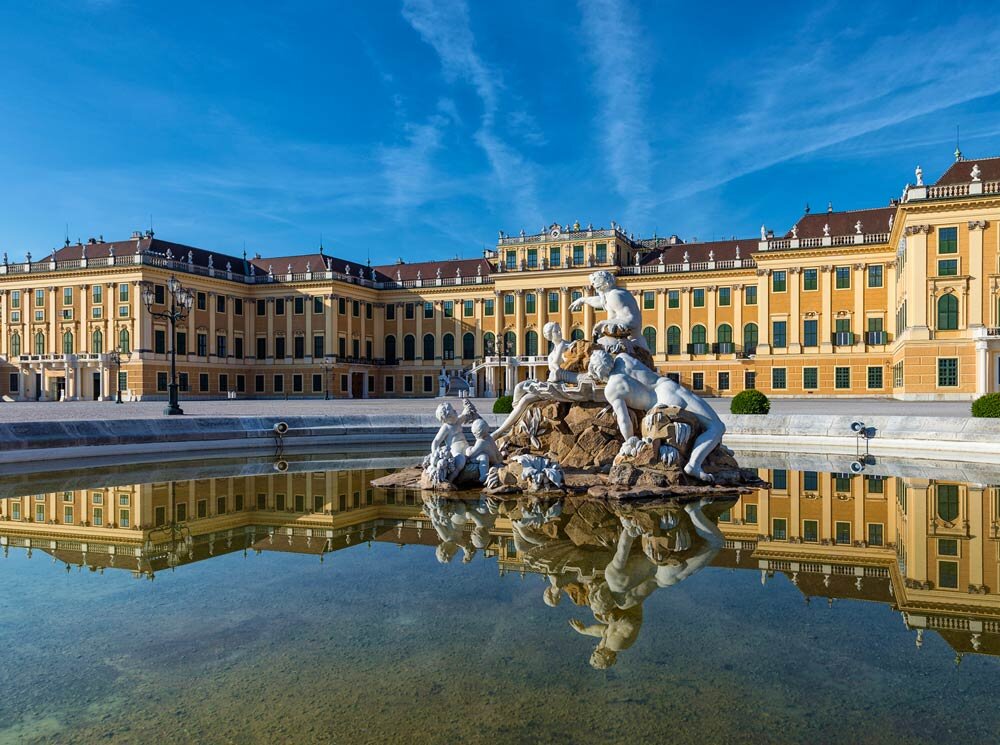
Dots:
{"x": 750, "y": 402}
{"x": 987, "y": 406}
{"x": 503, "y": 405}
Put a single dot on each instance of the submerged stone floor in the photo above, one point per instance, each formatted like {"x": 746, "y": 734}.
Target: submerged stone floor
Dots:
{"x": 103, "y": 410}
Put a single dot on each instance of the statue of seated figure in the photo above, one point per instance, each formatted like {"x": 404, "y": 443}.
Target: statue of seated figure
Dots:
{"x": 624, "y": 317}
{"x": 632, "y": 385}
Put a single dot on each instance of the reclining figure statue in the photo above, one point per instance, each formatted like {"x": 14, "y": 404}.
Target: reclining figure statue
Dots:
{"x": 632, "y": 385}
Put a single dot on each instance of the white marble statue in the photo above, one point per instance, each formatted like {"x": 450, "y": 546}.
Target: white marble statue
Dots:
{"x": 630, "y": 384}
{"x": 484, "y": 452}
{"x": 624, "y": 317}
{"x": 976, "y": 173}
{"x": 919, "y": 172}
{"x": 552, "y": 332}
{"x": 447, "y": 457}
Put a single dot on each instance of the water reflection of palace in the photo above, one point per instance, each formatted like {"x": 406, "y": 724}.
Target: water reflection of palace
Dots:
{"x": 930, "y": 549}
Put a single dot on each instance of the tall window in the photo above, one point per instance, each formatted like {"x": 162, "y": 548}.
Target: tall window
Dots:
{"x": 529, "y": 303}
{"x": 809, "y": 279}
{"x": 510, "y": 344}
{"x": 673, "y": 298}
{"x": 948, "y": 240}
{"x": 553, "y": 302}
{"x": 15, "y": 345}
{"x": 779, "y": 338}
{"x": 448, "y": 346}
{"x": 947, "y": 502}
{"x": 124, "y": 342}
{"x": 750, "y": 338}
{"x": 674, "y": 340}
{"x": 947, "y": 313}
{"x": 875, "y": 275}
{"x": 531, "y": 343}
{"x": 67, "y": 343}
{"x": 97, "y": 342}
{"x": 725, "y": 296}
{"x": 810, "y": 335}
{"x": 39, "y": 343}
{"x": 648, "y": 300}
{"x": 468, "y": 308}
{"x": 843, "y": 280}
{"x": 469, "y": 346}
{"x": 489, "y": 343}
{"x": 724, "y": 336}
{"x": 842, "y": 378}
{"x": 390, "y": 348}
{"x": 428, "y": 346}
{"x": 649, "y": 334}
{"x": 779, "y": 281}
{"x": 698, "y": 334}
{"x": 508, "y": 305}
{"x": 698, "y": 298}
{"x": 750, "y": 295}
{"x": 409, "y": 347}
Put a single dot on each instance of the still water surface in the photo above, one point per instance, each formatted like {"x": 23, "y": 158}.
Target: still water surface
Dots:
{"x": 306, "y": 606}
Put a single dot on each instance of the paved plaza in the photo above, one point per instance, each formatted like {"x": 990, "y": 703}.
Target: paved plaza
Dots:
{"x": 97, "y": 410}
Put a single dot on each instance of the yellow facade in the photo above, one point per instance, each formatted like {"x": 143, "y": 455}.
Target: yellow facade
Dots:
{"x": 899, "y": 301}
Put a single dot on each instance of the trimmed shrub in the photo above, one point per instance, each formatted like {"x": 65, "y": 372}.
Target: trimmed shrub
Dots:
{"x": 503, "y": 405}
{"x": 987, "y": 406}
{"x": 750, "y": 402}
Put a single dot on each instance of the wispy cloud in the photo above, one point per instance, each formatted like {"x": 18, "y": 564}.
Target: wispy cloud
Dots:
{"x": 809, "y": 95}
{"x": 445, "y": 26}
{"x": 621, "y": 83}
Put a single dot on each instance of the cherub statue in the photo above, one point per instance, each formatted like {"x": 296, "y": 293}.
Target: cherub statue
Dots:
{"x": 552, "y": 332}
{"x": 484, "y": 452}
{"x": 451, "y": 436}
{"x": 630, "y": 384}
{"x": 624, "y": 318}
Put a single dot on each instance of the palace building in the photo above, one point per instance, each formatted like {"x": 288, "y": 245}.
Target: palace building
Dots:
{"x": 897, "y": 301}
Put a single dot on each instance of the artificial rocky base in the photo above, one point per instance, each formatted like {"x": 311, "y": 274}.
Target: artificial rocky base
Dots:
{"x": 584, "y": 439}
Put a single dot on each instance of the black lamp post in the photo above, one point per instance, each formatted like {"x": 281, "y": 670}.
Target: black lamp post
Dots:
{"x": 116, "y": 359}
{"x": 327, "y": 369}
{"x": 181, "y": 300}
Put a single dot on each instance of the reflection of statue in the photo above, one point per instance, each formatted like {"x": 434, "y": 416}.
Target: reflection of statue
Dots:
{"x": 632, "y": 385}
{"x": 669, "y": 555}
{"x": 449, "y": 518}
{"x": 624, "y": 317}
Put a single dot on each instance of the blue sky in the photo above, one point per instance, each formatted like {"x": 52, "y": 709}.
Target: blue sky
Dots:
{"x": 420, "y": 128}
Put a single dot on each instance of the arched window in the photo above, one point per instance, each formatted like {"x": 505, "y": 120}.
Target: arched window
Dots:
{"x": 510, "y": 344}
{"x": 97, "y": 342}
{"x": 489, "y": 343}
{"x": 448, "y": 346}
{"x": 15, "y": 345}
{"x": 577, "y": 335}
{"x": 409, "y": 347}
{"x": 390, "y": 349}
{"x": 947, "y": 313}
{"x": 724, "y": 338}
{"x": 428, "y": 346}
{"x": 698, "y": 334}
{"x": 469, "y": 346}
{"x": 674, "y": 340}
{"x": 39, "y": 343}
{"x": 68, "y": 342}
{"x": 947, "y": 502}
{"x": 750, "y": 338}
{"x": 124, "y": 345}
{"x": 649, "y": 334}
{"x": 531, "y": 343}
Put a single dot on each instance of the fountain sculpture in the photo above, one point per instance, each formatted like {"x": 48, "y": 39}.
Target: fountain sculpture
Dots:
{"x": 604, "y": 421}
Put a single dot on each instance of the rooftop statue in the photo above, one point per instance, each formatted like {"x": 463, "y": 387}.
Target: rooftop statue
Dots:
{"x": 919, "y": 172}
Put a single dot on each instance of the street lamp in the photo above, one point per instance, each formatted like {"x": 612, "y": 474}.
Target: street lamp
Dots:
{"x": 181, "y": 300}
{"x": 327, "y": 369}
{"x": 115, "y": 358}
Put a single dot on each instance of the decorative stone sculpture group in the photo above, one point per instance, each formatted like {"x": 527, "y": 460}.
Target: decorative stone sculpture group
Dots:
{"x": 603, "y": 420}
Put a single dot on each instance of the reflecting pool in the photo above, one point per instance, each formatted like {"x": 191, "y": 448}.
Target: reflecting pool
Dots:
{"x": 292, "y": 602}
